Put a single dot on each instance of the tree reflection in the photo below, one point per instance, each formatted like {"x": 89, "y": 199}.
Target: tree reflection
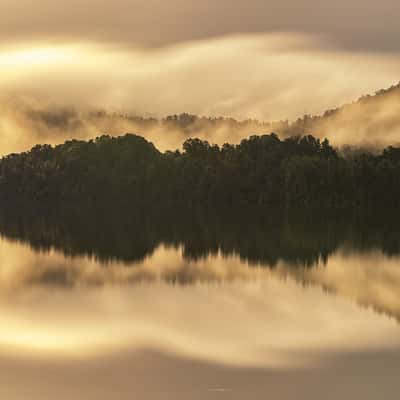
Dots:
{"x": 263, "y": 236}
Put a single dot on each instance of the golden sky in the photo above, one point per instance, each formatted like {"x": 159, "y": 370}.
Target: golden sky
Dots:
{"x": 247, "y": 59}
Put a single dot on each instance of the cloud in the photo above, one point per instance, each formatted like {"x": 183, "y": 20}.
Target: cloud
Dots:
{"x": 352, "y": 24}
{"x": 268, "y": 77}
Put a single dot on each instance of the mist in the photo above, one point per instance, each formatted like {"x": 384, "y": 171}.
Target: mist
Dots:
{"x": 371, "y": 123}
{"x": 51, "y": 91}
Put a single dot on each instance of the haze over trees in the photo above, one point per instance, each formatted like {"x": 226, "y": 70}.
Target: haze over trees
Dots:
{"x": 262, "y": 171}
{"x": 373, "y": 121}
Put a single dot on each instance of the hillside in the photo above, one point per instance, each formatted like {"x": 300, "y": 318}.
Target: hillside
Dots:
{"x": 372, "y": 120}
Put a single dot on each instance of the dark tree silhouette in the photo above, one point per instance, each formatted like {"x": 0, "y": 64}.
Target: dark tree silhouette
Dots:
{"x": 263, "y": 170}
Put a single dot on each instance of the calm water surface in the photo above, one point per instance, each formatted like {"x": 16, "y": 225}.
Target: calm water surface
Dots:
{"x": 174, "y": 323}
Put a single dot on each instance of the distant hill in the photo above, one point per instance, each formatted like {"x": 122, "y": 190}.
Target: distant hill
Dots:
{"x": 371, "y": 121}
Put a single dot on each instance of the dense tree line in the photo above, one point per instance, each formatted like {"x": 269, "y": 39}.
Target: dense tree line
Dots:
{"x": 262, "y": 170}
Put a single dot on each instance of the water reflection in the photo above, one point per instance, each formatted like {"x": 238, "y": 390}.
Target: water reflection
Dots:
{"x": 213, "y": 302}
{"x": 263, "y": 324}
{"x": 370, "y": 278}
{"x": 109, "y": 233}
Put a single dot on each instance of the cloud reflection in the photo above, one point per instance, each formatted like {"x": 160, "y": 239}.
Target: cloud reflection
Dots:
{"x": 232, "y": 314}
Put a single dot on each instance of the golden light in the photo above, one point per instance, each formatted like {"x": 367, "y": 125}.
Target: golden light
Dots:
{"x": 39, "y": 56}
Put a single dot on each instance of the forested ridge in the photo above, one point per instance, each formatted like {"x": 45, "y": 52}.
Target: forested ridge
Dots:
{"x": 262, "y": 170}
{"x": 371, "y": 122}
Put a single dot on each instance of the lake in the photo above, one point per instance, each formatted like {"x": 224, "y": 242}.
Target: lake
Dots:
{"x": 105, "y": 306}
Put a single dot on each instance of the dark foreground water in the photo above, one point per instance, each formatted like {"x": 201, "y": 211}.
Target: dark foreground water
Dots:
{"x": 253, "y": 307}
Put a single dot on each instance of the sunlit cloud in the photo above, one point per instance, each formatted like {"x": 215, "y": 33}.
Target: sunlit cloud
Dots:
{"x": 269, "y": 77}
{"x": 259, "y": 76}
{"x": 30, "y": 57}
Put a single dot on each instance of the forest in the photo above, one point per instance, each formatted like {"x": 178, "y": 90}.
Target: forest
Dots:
{"x": 295, "y": 172}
